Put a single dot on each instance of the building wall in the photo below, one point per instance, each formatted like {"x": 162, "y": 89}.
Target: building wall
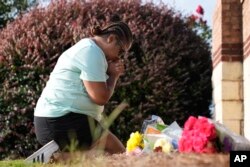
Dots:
{"x": 227, "y": 55}
{"x": 246, "y": 65}
{"x": 216, "y": 30}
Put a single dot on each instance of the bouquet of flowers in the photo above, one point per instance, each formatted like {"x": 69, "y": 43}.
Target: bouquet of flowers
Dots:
{"x": 155, "y": 136}
{"x": 203, "y": 135}
{"x": 199, "y": 135}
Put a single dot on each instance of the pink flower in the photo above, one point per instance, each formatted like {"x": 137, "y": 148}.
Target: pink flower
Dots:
{"x": 190, "y": 123}
{"x": 198, "y": 136}
{"x": 199, "y": 143}
{"x": 205, "y": 127}
{"x": 185, "y": 145}
{"x": 200, "y": 10}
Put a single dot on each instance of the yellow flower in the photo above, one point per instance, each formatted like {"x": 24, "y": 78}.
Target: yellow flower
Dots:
{"x": 135, "y": 140}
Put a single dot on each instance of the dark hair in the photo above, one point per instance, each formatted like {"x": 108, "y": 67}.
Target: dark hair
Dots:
{"x": 119, "y": 28}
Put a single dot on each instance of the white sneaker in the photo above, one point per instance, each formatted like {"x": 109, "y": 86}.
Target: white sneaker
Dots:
{"x": 44, "y": 154}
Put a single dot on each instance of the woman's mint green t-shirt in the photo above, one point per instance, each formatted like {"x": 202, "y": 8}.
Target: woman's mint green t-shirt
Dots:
{"x": 65, "y": 91}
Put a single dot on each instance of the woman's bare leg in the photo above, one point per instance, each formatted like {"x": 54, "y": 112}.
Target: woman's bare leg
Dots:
{"x": 110, "y": 143}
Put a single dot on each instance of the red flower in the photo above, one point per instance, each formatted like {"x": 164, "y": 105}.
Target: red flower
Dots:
{"x": 200, "y": 10}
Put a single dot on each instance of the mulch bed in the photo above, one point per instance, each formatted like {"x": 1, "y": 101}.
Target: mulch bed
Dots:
{"x": 156, "y": 159}
{"x": 172, "y": 160}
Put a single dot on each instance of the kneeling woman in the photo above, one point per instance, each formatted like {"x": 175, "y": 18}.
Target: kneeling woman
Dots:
{"x": 79, "y": 86}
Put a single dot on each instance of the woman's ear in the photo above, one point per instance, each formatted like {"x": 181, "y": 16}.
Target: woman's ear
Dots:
{"x": 111, "y": 38}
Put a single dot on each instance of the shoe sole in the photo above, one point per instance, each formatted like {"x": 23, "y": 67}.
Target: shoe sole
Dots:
{"x": 44, "y": 154}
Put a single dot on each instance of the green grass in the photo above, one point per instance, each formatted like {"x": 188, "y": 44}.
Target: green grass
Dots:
{"x": 17, "y": 163}
{"x": 76, "y": 160}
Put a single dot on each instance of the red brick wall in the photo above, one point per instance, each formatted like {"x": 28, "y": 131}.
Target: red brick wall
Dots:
{"x": 227, "y": 31}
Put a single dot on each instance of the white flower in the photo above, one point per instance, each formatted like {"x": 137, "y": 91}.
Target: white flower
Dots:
{"x": 165, "y": 145}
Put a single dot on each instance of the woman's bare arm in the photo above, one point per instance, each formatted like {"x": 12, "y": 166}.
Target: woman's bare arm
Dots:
{"x": 100, "y": 92}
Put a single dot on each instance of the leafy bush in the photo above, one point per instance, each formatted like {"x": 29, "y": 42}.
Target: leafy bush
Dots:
{"x": 10, "y": 9}
{"x": 168, "y": 70}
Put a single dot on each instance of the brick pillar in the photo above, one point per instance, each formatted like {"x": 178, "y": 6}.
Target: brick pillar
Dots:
{"x": 228, "y": 64}
{"x": 246, "y": 65}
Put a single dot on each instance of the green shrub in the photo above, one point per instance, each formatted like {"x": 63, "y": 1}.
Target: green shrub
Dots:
{"x": 10, "y": 9}
{"x": 168, "y": 70}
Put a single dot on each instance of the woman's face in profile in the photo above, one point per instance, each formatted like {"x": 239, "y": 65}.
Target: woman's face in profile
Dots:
{"x": 115, "y": 48}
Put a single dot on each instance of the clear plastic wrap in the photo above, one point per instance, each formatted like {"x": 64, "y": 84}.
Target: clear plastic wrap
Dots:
{"x": 230, "y": 141}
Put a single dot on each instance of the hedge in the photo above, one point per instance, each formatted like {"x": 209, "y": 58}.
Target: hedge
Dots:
{"x": 168, "y": 69}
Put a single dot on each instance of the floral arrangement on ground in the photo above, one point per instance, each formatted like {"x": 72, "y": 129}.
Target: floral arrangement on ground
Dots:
{"x": 199, "y": 135}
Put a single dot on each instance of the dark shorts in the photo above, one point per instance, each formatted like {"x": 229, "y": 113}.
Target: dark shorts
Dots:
{"x": 67, "y": 130}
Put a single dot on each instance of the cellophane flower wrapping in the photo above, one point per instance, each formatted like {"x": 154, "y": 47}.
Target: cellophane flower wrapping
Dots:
{"x": 159, "y": 137}
{"x": 230, "y": 141}
{"x": 204, "y": 135}
{"x": 199, "y": 135}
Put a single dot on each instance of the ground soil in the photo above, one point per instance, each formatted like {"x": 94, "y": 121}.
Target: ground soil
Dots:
{"x": 155, "y": 159}
{"x": 172, "y": 160}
